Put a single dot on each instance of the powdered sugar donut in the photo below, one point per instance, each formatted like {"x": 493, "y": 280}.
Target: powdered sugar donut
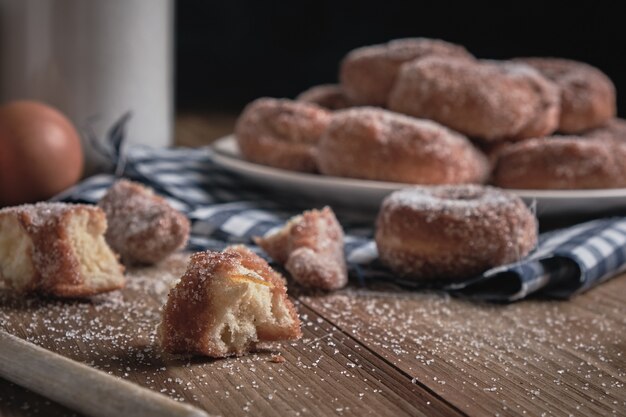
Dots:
{"x": 483, "y": 99}
{"x": 587, "y": 94}
{"x": 449, "y": 233}
{"x": 281, "y": 133}
{"x": 376, "y": 144}
{"x": 367, "y": 74}
{"x": 561, "y": 162}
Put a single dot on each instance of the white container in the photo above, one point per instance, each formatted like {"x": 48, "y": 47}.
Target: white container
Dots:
{"x": 94, "y": 60}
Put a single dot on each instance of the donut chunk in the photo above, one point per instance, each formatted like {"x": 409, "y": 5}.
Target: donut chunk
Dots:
{"x": 281, "y": 133}
{"x": 368, "y": 74}
{"x": 376, "y": 144}
{"x": 226, "y": 303}
{"x": 587, "y": 94}
{"x": 614, "y": 129}
{"x": 143, "y": 227}
{"x": 561, "y": 162}
{"x": 310, "y": 246}
{"x": 450, "y": 233}
{"x": 57, "y": 249}
{"x": 329, "y": 96}
{"x": 488, "y": 100}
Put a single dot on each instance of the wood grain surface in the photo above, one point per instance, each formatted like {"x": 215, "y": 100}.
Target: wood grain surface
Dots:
{"x": 372, "y": 350}
{"x": 198, "y": 129}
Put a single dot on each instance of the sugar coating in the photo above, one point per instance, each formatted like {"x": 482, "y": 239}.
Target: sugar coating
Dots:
{"x": 614, "y": 129}
{"x": 376, "y": 144}
{"x": 367, "y": 74}
{"x": 447, "y": 233}
{"x": 484, "y": 99}
{"x": 60, "y": 247}
{"x": 281, "y": 133}
{"x": 587, "y": 94}
{"x": 454, "y": 200}
{"x": 143, "y": 227}
{"x": 562, "y": 162}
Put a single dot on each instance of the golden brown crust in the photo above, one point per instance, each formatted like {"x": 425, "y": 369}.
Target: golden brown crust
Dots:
{"x": 368, "y": 73}
{"x": 329, "y": 96}
{"x": 52, "y": 253}
{"x": 310, "y": 246}
{"x": 281, "y": 133}
{"x": 214, "y": 282}
{"x": 376, "y": 144}
{"x": 452, "y": 233}
{"x": 562, "y": 162}
{"x": 143, "y": 227}
{"x": 587, "y": 94}
{"x": 488, "y": 100}
{"x": 186, "y": 317}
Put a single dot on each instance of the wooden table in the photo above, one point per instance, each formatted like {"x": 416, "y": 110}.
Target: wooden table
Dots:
{"x": 372, "y": 350}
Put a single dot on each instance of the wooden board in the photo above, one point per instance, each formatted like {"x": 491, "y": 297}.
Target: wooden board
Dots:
{"x": 529, "y": 358}
{"x": 116, "y": 333}
{"x": 365, "y": 351}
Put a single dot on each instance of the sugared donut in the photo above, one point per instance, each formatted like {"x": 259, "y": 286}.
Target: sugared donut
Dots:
{"x": 587, "y": 94}
{"x": 281, "y": 133}
{"x": 376, "y": 144}
{"x": 483, "y": 99}
{"x": 329, "y": 96}
{"x": 310, "y": 246}
{"x": 561, "y": 162}
{"x": 614, "y": 129}
{"x": 449, "y": 233}
{"x": 143, "y": 227}
{"x": 367, "y": 74}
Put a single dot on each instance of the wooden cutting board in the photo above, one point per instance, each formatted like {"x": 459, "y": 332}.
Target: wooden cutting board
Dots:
{"x": 366, "y": 351}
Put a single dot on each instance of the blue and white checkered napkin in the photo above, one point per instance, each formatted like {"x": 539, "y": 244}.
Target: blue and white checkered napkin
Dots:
{"x": 225, "y": 209}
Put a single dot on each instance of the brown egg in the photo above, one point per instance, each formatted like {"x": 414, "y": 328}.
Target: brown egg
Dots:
{"x": 40, "y": 153}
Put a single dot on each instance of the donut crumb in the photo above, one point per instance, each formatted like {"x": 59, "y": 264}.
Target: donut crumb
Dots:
{"x": 277, "y": 358}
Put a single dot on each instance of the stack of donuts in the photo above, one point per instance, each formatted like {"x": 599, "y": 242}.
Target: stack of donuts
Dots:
{"x": 425, "y": 111}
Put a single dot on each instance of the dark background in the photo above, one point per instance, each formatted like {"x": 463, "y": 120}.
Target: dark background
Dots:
{"x": 231, "y": 52}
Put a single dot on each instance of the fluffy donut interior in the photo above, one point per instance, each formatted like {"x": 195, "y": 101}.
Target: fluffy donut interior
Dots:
{"x": 246, "y": 310}
{"x": 97, "y": 262}
{"x": 16, "y": 267}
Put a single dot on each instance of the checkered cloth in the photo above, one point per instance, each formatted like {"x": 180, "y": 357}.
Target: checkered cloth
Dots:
{"x": 226, "y": 209}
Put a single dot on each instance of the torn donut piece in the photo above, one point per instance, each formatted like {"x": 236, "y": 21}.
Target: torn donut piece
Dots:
{"x": 143, "y": 227}
{"x": 310, "y": 246}
{"x": 57, "y": 249}
{"x": 225, "y": 304}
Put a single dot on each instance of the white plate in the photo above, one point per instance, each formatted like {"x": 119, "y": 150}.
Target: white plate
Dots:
{"x": 367, "y": 195}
